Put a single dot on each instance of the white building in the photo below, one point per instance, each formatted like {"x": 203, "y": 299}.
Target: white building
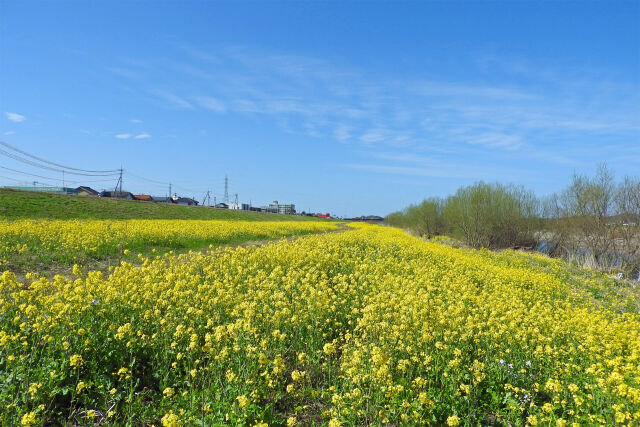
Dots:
{"x": 275, "y": 207}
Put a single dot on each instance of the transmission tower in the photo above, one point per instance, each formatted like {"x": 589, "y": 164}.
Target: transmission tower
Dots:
{"x": 226, "y": 189}
{"x": 236, "y": 199}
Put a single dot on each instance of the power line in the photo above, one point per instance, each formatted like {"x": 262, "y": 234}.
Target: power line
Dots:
{"x": 165, "y": 183}
{"x": 189, "y": 190}
{"x": 145, "y": 179}
{"x": 12, "y": 179}
{"x": 53, "y": 163}
{"x": 23, "y": 181}
{"x": 32, "y": 163}
{"x": 30, "y": 174}
{"x": 93, "y": 180}
{"x": 82, "y": 172}
{"x": 52, "y": 179}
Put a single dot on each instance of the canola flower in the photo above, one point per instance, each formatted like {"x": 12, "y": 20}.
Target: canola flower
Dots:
{"x": 368, "y": 326}
{"x": 79, "y": 240}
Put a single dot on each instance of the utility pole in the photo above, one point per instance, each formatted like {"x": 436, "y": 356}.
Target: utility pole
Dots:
{"x": 119, "y": 184}
{"x": 226, "y": 189}
{"x": 215, "y": 204}
{"x": 62, "y": 179}
{"x": 236, "y": 202}
{"x": 170, "y": 195}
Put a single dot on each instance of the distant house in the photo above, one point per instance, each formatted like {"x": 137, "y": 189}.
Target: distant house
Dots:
{"x": 118, "y": 195}
{"x": 158, "y": 199}
{"x": 323, "y": 216}
{"x": 222, "y": 206}
{"x": 186, "y": 201}
{"x": 143, "y": 197}
{"x": 86, "y": 191}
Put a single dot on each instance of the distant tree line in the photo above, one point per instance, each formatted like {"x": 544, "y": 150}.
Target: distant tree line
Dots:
{"x": 594, "y": 221}
{"x": 482, "y": 215}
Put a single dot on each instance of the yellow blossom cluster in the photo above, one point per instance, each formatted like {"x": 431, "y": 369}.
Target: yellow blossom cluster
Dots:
{"x": 79, "y": 240}
{"x": 367, "y": 326}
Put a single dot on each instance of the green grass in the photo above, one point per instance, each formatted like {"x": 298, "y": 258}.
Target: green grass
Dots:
{"x": 31, "y": 205}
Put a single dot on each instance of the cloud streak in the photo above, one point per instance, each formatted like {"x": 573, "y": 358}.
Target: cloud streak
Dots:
{"x": 545, "y": 114}
{"x": 210, "y": 103}
{"x": 15, "y": 117}
{"x": 170, "y": 100}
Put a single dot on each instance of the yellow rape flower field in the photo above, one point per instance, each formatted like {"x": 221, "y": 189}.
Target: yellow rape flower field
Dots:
{"x": 30, "y": 242}
{"x": 367, "y": 326}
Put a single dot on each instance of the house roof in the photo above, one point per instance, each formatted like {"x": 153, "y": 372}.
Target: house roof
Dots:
{"x": 186, "y": 200}
{"x": 143, "y": 197}
{"x": 116, "y": 194}
{"x": 87, "y": 189}
{"x": 161, "y": 199}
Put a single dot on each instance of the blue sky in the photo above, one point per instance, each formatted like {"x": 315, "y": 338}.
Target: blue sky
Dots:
{"x": 344, "y": 107}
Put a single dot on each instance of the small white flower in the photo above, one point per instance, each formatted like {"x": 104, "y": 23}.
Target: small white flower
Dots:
{"x": 528, "y": 363}
{"x": 501, "y": 361}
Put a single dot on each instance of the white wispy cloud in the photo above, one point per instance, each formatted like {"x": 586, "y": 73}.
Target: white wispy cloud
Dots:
{"x": 201, "y": 54}
{"x": 210, "y": 103}
{"x": 495, "y": 140}
{"x": 143, "y": 135}
{"x": 171, "y": 100}
{"x": 510, "y": 108}
{"x": 409, "y": 170}
{"x": 342, "y": 132}
{"x": 449, "y": 89}
{"x": 124, "y": 72}
{"x": 135, "y": 121}
{"x": 374, "y": 135}
{"x": 15, "y": 117}
{"x": 9, "y": 132}
{"x": 436, "y": 165}
{"x": 123, "y": 136}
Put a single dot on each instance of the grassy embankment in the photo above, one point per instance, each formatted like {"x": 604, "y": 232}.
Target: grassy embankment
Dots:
{"x": 37, "y": 205}
{"x": 52, "y": 232}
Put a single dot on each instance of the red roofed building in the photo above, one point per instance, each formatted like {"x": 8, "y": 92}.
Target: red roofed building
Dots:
{"x": 145, "y": 197}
